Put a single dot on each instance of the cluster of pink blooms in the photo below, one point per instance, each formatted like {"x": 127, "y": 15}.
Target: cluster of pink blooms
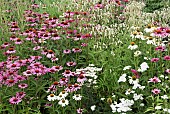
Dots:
{"x": 161, "y": 32}
{"x": 41, "y": 29}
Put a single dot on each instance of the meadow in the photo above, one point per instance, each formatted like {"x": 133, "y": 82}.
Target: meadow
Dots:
{"x": 84, "y": 57}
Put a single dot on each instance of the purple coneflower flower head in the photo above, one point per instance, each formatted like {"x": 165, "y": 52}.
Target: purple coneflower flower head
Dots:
{"x": 50, "y": 54}
{"x": 168, "y": 71}
{"x": 167, "y": 57}
{"x": 154, "y": 80}
{"x": 10, "y": 82}
{"x": 67, "y": 51}
{"x": 156, "y": 91}
{"x": 160, "y": 48}
{"x": 20, "y": 94}
{"x": 15, "y": 100}
{"x": 71, "y": 63}
{"x": 79, "y": 111}
{"x": 67, "y": 73}
{"x": 81, "y": 78}
{"x": 154, "y": 59}
{"x": 76, "y": 50}
{"x": 23, "y": 85}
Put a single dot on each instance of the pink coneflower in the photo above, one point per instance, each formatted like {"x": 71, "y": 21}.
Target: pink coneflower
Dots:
{"x": 135, "y": 72}
{"x": 57, "y": 68}
{"x": 71, "y": 63}
{"x": 10, "y": 82}
{"x": 6, "y": 44}
{"x": 37, "y": 71}
{"x": 84, "y": 44}
{"x": 77, "y": 87}
{"x": 15, "y": 28}
{"x": 11, "y": 50}
{"x": 79, "y": 111}
{"x": 160, "y": 48}
{"x": 154, "y": 59}
{"x": 99, "y": 5}
{"x": 44, "y": 52}
{"x": 19, "y": 78}
{"x": 156, "y": 91}
{"x": 48, "y": 105}
{"x": 69, "y": 13}
{"x": 13, "y": 66}
{"x": 55, "y": 37}
{"x": 158, "y": 33}
{"x": 30, "y": 38}
{"x": 33, "y": 58}
{"x": 167, "y": 32}
{"x": 46, "y": 36}
{"x": 81, "y": 78}
{"x": 35, "y": 5}
{"x": 37, "y": 48}
{"x": 18, "y": 41}
{"x": 167, "y": 57}
{"x": 77, "y": 37}
{"x": 15, "y": 100}
{"x": 50, "y": 54}
{"x": 76, "y": 50}
{"x": 53, "y": 59}
{"x": 27, "y": 73}
{"x": 52, "y": 89}
{"x": 168, "y": 71}
{"x": 23, "y": 85}
{"x": 63, "y": 81}
{"x": 67, "y": 51}
{"x": 69, "y": 88}
{"x": 67, "y": 73}
{"x": 154, "y": 80}
{"x": 64, "y": 24}
{"x": 20, "y": 95}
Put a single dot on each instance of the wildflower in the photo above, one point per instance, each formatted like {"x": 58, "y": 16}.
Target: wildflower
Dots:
{"x": 76, "y": 50}
{"x": 71, "y": 63}
{"x": 167, "y": 71}
{"x": 64, "y": 94}
{"x": 51, "y": 97}
{"x": 154, "y": 80}
{"x": 137, "y": 53}
{"x": 154, "y": 59}
{"x": 137, "y": 97}
{"x": 79, "y": 111}
{"x": 67, "y": 51}
{"x": 133, "y": 80}
{"x": 20, "y": 94}
{"x": 144, "y": 66}
{"x": 149, "y": 28}
{"x": 126, "y": 67}
{"x": 10, "y": 82}
{"x": 122, "y": 78}
{"x": 129, "y": 91}
{"x": 81, "y": 78}
{"x": 93, "y": 107}
{"x": 50, "y": 54}
{"x": 158, "y": 107}
{"x": 67, "y": 73}
{"x": 77, "y": 97}
{"x": 15, "y": 100}
{"x": 164, "y": 97}
{"x": 167, "y": 57}
{"x": 23, "y": 85}
{"x": 156, "y": 91}
{"x": 132, "y": 46}
{"x": 63, "y": 102}
{"x": 158, "y": 33}
{"x": 160, "y": 48}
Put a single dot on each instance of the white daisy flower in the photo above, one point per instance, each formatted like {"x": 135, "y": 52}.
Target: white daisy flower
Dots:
{"x": 158, "y": 107}
{"x": 122, "y": 78}
{"x": 164, "y": 97}
{"x": 126, "y": 67}
{"x": 51, "y": 97}
{"x": 63, "y": 93}
{"x": 93, "y": 107}
{"x": 137, "y": 53}
{"x": 63, "y": 102}
{"x": 132, "y": 46}
{"x": 77, "y": 97}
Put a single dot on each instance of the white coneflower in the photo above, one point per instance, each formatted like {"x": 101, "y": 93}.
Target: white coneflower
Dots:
{"x": 132, "y": 46}
{"x": 51, "y": 97}
{"x": 122, "y": 78}
{"x": 77, "y": 97}
{"x": 126, "y": 67}
{"x": 63, "y": 102}
{"x": 137, "y": 53}
{"x": 93, "y": 107}
{"x": 63, "y": 93}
